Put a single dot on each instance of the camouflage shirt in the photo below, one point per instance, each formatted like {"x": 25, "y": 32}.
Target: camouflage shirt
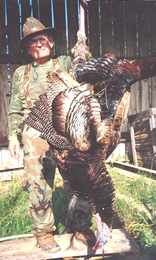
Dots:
{"x": 18, "y": 109}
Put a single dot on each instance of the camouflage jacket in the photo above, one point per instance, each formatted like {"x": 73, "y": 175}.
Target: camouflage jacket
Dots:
{"x": 18, "y": 109}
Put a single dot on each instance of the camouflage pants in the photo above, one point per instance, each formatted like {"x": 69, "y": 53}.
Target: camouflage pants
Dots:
{"x": 38, "y": 180}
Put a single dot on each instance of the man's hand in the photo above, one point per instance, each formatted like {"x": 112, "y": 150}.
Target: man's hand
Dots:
{"x": 14, "y": 148}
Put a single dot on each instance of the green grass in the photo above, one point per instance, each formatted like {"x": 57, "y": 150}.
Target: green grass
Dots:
{"x": 14, "y": 211}
{"x": 136, "y": 206}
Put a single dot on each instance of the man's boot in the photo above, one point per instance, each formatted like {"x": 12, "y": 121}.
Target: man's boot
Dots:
{"x": 47, "y": 243}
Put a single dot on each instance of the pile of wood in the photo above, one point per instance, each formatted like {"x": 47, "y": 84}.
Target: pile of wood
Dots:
{"x": 143, "y": 143}
{"x": 143, "y": 138}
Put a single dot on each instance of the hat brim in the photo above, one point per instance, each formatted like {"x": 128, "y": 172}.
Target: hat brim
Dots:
{"x": 49, "y": 30}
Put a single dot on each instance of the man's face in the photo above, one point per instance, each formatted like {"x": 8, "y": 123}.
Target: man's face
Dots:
{"x": 40, "y": 47}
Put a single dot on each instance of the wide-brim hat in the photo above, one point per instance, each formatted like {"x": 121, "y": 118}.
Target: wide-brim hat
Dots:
{"x": 32, "y": 27}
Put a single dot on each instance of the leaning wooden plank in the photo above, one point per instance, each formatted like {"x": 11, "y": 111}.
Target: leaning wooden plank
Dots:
{"x": 23, "y": 249}
{"x": 5, "y": 169}
{"x": 142, "y": 115}
{"x": 133, "y": 145}
{"x": 136, "y": 169}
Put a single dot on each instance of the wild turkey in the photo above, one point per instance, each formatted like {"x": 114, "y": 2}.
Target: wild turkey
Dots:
{"x": 82, "y": 119}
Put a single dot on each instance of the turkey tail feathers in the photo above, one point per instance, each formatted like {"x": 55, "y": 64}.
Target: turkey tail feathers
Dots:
{"x": 80, "y": 118}
{"x": 146, "y": 65}
{"x": 96, "y": 69}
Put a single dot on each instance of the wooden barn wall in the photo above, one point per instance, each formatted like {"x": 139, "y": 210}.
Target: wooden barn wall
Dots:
{"x": 126, "y": 28}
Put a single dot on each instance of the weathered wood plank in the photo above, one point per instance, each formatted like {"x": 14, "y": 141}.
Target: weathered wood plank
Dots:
{"x": 45, "y": 13}
{"x": 119, "y": 32}
{"x": 134, "y": 100}
{"x": 26, "y": 10}
{"x": 135, "y": 169}
{"x": 141, "y": 115}
{"x": 13, "y": 30}
{"x": 23, "y": 249}
{"x": 72, "y": 23}
{"x": 36, "y": 8}
{"x": 143, "y": 28}
{"x": 144, "y": 145}
{"x": 61, "y": 40}
{"x": 106, "y": 27}
{"x": 94, "y": 29}
{"x": 4, "y": 99}
{"x": 11, "y": 169}
{"x": 153, "y": 94}
{"x": 152, "y": 22}
{"x": 144, "y": 95}
{"x": 4, "y": 102}
{"x": 130, "y": 22}
{"x": 133, "y": 146}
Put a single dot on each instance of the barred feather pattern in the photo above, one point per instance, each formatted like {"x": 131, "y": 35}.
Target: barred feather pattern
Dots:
{"x": 87, "y": 175}
{"x": 96, "y": 69}
{"x": 41, "y": 115}
{"x": 84, "y": 113}
{"x": 83, "y": 122}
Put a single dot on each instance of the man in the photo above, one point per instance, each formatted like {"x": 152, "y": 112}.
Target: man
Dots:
{"x": 28, "y": 84}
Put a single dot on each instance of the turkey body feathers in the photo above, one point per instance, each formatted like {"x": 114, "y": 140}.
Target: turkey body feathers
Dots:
{"x": 87, "y": 175}
{"x": 83, "y": 120}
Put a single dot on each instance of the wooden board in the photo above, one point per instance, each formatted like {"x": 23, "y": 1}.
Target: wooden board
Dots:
{"x": 23, "y": 249}
{"x": 135, "y": 169}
